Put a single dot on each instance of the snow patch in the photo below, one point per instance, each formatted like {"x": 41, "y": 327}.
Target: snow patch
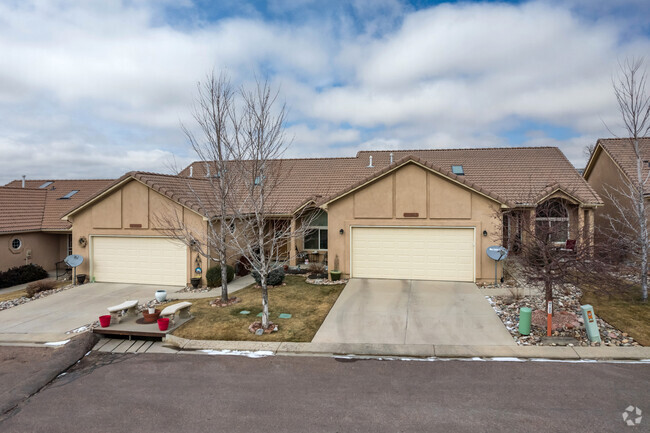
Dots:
{"x": 57, "y": 343}
{"x": 247, "y": 353}
{"x": 506, "y": 359}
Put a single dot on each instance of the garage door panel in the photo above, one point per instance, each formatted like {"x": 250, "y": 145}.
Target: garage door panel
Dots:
{"x": 139, "y": 260}
{"x": 413, "y": 253}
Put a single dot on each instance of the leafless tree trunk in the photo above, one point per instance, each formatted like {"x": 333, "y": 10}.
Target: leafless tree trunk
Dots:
{"x": 630, "y": 221}
{"x": 258, "y": 147}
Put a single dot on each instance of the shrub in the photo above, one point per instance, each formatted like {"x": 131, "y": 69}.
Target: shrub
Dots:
{"x": 39, "y": 286}
{"x": 275, "y": 277}
{"x": 213, "y": 276}
{"x": 21, "y": 274}
{"x": 316, "y": 268}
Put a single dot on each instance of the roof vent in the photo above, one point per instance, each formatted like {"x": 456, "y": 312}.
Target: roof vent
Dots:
{"x": 26, "y": 176}
{"x": 191, "y": 170}
{"x": 370, "y": 163}
{"x": 391, "y": 157}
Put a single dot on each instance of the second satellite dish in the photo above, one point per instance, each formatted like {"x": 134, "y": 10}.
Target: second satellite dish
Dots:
{"x": 73, "y": 260}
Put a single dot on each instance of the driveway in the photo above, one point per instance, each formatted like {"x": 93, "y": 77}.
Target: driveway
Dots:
{"x": 412, "y": 312}
{"x": 70, "y": 309}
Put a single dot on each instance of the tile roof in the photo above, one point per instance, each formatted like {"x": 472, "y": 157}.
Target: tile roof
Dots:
{"x": 517, "y": 175}
{"x": 622, "y": 152}
{"x": 21, "y": 209}
{"x": 43, "y": 204}
{"x": 512, "y": 176}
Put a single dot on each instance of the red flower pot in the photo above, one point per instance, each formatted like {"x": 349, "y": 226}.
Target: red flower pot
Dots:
{"x": 104, "y": 321}
{"x": 163, "y": 323}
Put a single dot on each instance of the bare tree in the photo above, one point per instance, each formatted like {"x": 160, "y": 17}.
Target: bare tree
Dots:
{"x": 540, "y": 252}
{"x": 214, "y": 116}
{"x": 258, "y": 148}
{"x": 630, "y": 219}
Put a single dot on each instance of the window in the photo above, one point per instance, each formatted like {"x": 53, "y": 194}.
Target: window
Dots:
{"x": 258, "y": 180}
{"x": 16, "y": 244}
{"x": 316, "y": 237}
{"x": 70, "y": 194}
{"x": 552, "y": 221}
{"x": 458, "y": 170}
{"x": 69, "y": 244}
{"x": 46, "y": 184}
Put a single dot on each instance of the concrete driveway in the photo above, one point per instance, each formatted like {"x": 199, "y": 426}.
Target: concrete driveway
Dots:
{"x": 412, "y": 312}
{"x": 51, "y": 317}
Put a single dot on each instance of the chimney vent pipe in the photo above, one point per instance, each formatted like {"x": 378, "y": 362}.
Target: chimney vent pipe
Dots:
{"x": 391, "y": 157}
{"x": 370, "y": 163}
{"x": 191, "y": 170}
{"x": 24, "y": 180}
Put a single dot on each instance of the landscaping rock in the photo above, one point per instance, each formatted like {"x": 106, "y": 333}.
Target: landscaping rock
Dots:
{"x": 567, "y": 321}
{"x": 4, "y": 305}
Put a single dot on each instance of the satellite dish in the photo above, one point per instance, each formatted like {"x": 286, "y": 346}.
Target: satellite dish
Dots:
{"x": 73, "y": 260}
{"x": 497, "y": 253}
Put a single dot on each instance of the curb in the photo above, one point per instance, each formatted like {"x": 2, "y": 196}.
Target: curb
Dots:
{"x": 415, "y": 350}
{"x": 65, "y": 357}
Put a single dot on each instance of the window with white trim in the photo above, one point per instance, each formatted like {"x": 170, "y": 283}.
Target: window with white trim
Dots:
{"x": 552, "y": 220}
{"x": 316, "y": 236}
{"x": 16, "y": 244}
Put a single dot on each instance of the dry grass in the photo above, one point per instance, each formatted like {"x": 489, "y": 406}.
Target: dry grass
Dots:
{"x": 308, "y": 304}
{"x": 625, "y": 311}
{"x": 20, "y": 293}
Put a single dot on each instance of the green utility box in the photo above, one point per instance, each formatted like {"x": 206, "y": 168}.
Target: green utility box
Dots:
{"x": 525, "y": 315}
{"x": 591, "y": 326}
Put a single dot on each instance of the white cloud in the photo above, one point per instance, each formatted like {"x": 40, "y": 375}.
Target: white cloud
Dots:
{"x": 100, "y": 87}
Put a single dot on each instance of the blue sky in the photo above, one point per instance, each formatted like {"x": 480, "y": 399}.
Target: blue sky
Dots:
{"x": 95, "y": 89}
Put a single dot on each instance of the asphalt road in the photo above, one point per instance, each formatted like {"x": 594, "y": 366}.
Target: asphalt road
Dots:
{"x": 194, "y": 393}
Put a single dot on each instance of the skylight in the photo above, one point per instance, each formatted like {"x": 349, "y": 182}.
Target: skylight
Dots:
{"x": 458, "y": 170}
{"x": 46, "y": 184}
{"x": 70, "y": 194}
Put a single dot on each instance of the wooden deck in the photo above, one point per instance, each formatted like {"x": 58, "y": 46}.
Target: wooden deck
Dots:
{"x": 130, "y": 327}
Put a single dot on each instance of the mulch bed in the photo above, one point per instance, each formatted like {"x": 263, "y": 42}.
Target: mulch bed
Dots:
{"x": 219, "y": 303}
{"x": 258, "y": 325}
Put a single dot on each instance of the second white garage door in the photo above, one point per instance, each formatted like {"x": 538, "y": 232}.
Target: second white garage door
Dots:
{"x": 139, "y": 260}
{"x": 445, "y": 254}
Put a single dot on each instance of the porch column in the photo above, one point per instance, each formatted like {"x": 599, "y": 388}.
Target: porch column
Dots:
{"x": 529, "y": 220}
{"x": 590, "y": 231}
{"x": 581, "y": 235}
{"x": 292, "y": 243}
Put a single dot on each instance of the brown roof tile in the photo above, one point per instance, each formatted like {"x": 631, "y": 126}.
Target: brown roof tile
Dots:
{"x": 21, "y": 209}
{"x": 51, "y": 207}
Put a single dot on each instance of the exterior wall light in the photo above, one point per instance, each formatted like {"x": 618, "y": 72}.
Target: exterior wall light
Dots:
{"x": 484, "y": 232}
{"x": 341, "y": 232}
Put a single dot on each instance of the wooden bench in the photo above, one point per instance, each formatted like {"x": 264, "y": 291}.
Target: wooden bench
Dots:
{"x": 182, "y": 309}
{"x": 128, "y": 306}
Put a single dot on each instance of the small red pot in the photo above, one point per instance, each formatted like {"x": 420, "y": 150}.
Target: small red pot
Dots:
{"x": 163, "y": 323}
{"x": 104, "y": 321}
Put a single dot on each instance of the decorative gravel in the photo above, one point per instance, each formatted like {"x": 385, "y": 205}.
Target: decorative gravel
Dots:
{"x": 4, "y": 305}
{"x": 567, "y": 300}
{"x": 325, "y": 282}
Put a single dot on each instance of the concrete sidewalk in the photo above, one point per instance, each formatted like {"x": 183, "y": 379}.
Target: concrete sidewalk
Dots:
{"x": 414, "y": 350}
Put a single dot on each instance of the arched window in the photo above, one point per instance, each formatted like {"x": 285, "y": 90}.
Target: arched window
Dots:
{"x": 552, "y": 220}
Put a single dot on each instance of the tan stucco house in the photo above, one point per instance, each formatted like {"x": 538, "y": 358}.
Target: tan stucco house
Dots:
{"x": 420, "y": 214}
{"x": 610, "y": 169}
{"x": 31, "y": 229}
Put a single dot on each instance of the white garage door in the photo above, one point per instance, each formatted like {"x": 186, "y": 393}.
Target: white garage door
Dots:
{"x": 139, "y": 260}
{"x": 445, "y": 254}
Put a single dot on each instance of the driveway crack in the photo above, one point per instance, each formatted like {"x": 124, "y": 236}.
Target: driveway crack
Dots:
{"x": 408, "y": 308}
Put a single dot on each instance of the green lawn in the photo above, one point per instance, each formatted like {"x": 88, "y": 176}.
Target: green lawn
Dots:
{"x": 308, "y": 305}
{"x": 624, "y": 311}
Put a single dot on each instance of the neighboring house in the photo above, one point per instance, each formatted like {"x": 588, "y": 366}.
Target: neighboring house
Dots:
{"x": 420, "y": 214}
{"x": 611, "y": 168}
{"x": 31, "y": 229}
